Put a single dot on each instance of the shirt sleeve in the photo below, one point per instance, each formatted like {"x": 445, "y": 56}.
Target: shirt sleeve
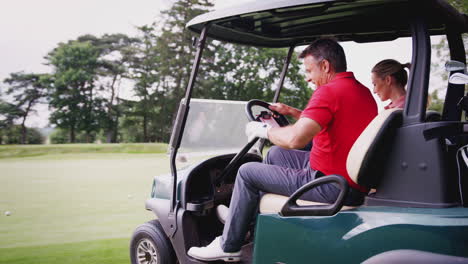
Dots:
{"x": 320, "y": 107}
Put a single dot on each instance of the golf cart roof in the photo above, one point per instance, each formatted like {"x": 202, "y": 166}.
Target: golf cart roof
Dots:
{"x": 284, "y": 23}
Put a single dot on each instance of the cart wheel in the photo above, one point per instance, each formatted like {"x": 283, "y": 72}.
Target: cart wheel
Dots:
{"x": 150, "y": 245}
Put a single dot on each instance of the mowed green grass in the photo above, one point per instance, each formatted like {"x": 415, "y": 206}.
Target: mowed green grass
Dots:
{"x": 108, "y": 251}
{"x": 17, "y": 151}
{"x": 74, "y": 208}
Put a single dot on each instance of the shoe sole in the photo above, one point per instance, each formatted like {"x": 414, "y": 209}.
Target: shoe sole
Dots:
{"x": 231, "y": 259}
{"x": 225, "y": 259}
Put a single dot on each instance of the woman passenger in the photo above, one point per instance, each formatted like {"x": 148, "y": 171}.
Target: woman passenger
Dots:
{"x": 389, "y": 78}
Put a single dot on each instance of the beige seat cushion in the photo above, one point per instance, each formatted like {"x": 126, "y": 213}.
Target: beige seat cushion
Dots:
{"x": 272, "y": 203}
{"x": 360, "y": 148}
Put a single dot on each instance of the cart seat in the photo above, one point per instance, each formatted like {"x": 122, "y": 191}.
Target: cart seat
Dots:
{"x": 367, "y": 155}
{"x": 364, "y": 159}
{"x": 272, "y": 203}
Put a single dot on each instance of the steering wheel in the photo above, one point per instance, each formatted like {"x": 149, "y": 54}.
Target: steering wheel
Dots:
{"x": 269, "y": 114}
{"x": 265, "y": 116}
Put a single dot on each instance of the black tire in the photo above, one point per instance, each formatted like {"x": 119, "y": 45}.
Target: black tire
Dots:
{"x": 150, "y": 245}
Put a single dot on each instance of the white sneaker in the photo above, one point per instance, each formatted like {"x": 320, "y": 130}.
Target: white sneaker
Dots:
{"x": 222, "y": 213}
{"x": 214, "y": 252}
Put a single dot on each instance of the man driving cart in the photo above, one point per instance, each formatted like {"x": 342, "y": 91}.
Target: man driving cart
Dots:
{"x": 337, "y": 113}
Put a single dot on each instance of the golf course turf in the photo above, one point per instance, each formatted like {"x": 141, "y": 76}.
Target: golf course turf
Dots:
{"x": 74, "y": 208}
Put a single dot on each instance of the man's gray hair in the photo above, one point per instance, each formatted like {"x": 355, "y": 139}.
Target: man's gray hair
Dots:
{"x": 327, "y": 49}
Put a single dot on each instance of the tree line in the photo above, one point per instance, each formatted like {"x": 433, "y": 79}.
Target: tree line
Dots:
{"x": 87, "y": 75}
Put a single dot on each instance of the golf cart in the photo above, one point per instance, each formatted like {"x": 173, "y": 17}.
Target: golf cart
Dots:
{"x": 414, "y": 159}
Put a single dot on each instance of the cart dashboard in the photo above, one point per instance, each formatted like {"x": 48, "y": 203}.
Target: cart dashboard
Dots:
{"x": 202, "y": 186}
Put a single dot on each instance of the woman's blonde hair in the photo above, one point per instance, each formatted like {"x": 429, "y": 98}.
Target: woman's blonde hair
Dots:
{"x": 392, "y": 68}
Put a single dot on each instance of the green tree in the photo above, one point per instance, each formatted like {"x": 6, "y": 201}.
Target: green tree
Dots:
{"x": 59, "y": 136}
{"x": 8, "y": 113}
{"x": 175, "y": 54}
{"x": 130, "y": 126}
{"x": 227, "y": 71}
{"x": 144, "y": 71}
{"x": 116, "y": 52}
{"x": 27, "y": 90}
{"x": 436, "y": 103}
{"x": 242, "y": 73}
{"x": 73, "y": 94}
{"x": 13, "y": 135}
{"x": 175, "y": 43}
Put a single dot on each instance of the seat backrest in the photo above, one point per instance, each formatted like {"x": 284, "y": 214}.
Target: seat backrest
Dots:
{"x": 367, "y": 156}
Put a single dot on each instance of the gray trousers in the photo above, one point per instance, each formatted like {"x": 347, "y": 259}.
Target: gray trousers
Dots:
{"x": 282, "y": 172}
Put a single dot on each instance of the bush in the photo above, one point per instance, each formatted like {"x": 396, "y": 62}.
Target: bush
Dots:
{"x": 12, "y": 135}
{"x": 33, "y": 136}
{"x": 62, "y": 136}
{"x": 59, "y": 136}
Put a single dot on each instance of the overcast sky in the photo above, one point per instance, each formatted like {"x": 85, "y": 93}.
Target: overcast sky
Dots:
{"x": 30, "y": 29}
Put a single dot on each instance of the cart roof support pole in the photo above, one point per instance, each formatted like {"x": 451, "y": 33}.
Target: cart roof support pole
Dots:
{"x": 416, "y": 99}
{"x": 182, "y": 113}
{"x": 283, "y": 74}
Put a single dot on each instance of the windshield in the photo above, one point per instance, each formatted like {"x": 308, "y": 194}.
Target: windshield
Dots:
{"x": 213, "y": 127}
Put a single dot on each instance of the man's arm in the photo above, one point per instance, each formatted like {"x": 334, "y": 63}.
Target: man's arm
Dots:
{"x": 294, "y": 136}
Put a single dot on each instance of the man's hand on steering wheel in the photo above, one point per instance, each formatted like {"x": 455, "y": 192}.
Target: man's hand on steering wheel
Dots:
{"x": 259, "y": 124}
{"x": 255, "y": 129}
{"x": 281, "y": 108}
{"x": 286, "y": 110}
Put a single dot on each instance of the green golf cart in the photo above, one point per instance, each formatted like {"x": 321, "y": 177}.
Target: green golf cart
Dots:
{"x": 414, "y": 159}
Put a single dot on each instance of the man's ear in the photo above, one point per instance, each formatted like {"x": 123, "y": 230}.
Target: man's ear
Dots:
{"x": 326, "y": 66}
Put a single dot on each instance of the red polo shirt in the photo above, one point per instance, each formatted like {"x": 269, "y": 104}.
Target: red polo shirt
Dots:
{"x": 343, "y": 108}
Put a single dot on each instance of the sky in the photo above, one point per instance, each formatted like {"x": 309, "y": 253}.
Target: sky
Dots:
{"x": 30, "y": 29}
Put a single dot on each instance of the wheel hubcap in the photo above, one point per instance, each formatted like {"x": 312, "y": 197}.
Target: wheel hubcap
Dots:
{"x": 146, "y": 252}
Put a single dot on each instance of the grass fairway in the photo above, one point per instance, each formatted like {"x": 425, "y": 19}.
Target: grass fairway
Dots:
{"x": 74, "y": 208}
{"x": 91, "y": 252}
{"x": 18, "y": 151}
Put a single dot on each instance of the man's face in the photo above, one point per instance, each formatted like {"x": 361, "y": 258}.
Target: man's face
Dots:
{"x": 314, "y": 71}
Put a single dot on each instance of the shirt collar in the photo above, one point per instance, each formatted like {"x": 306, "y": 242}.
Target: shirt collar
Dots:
{"x": 342, "y": 75}
{"x": 338, "y": 76}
